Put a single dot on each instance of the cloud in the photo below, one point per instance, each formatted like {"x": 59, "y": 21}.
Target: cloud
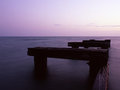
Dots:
{"x": 57, "y": 25}
{"x": 91, "y": 24}
{"x": 95, "y": 25}
{"x": 108, "y": 26}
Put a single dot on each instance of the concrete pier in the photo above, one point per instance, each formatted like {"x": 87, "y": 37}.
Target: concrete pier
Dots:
{"x": 104, "y": 44}
{"x": 95, "y": 57}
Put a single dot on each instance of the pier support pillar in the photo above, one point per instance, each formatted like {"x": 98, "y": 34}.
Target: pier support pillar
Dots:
{"x": 93, "y": 69}
{"x": 97, "y": 67}
{"x": 95, "y": 64}
{"x": 40, "y": 64}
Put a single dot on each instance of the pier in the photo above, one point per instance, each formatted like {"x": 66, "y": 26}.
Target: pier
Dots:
{"x": 97, "y": 58}
{"x": 41, "y": 53}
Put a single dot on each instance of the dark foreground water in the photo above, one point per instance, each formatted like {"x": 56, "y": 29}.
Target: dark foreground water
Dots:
{"x": 17, "y": 69}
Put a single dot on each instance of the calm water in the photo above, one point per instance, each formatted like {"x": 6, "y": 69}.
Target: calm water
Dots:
{"x": 17, "y": 69}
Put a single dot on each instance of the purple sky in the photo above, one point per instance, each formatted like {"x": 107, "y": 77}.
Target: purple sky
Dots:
{"x": 59, "y": 18}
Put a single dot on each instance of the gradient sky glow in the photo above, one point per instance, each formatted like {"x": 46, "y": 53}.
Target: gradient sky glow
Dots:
{"x": 59, "y": 17}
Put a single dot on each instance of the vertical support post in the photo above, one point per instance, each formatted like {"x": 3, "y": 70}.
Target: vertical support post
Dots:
{"x": 97, "y": 64}
{"x": 40, "y": 64}
{"x": 93, "y": 71}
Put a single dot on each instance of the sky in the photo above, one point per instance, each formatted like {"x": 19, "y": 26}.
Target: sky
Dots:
{"x": 59, "y": 18}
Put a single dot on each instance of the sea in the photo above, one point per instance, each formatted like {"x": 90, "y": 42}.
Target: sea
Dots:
{"x": 17, "y": 68}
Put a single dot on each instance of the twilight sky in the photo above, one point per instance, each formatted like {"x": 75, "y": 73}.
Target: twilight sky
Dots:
{"x": 59, "y": 17}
